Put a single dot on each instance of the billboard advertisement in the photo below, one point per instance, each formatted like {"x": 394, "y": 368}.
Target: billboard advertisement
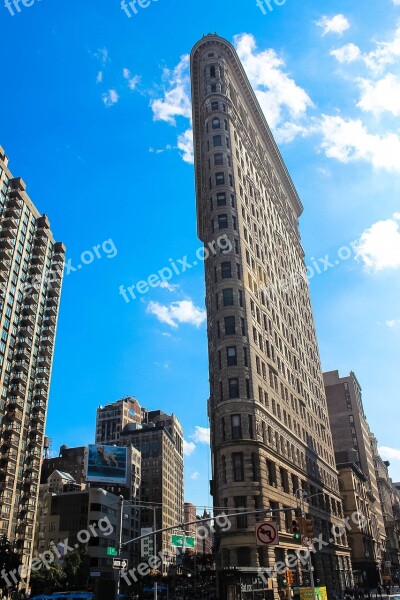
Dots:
{"x": 107, "y": 464}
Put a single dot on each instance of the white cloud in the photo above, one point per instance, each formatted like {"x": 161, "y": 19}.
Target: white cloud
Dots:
{"x": 347, "y": 54}
{"x": 201, "y": 435}
{"x": 132, "y": 81}
{"x": 349, "y": 141}
{"x": 99, "y": 77}
{"x": 393, "y": 323}
{"x": 188, "y": 448}
{"x": 181, "y": 311}
{"x": 278, "y": 94}
{"x": 382, "y": 95}
{"x": 176, "y": 99}
{"x": 389, "y": 453}
{"x": 379, "y": 246}
{"x": 385, "y": 53}
{"x": 102, "y": 55}
{"x": 195, "y": 475}
{"x": 168, "y": 286}
{"x": 337, "y": 24}
{"x": 110, "y": 98}
{"x": 185, "y": 144}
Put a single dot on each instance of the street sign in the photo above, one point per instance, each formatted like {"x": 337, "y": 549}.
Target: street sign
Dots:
{"x": 120, "y": 563}
{"x": 111, "y": 551}
{"x": 181, "y": 540}
{"x": 267, "y": 534}
{"x": 146, "y": 544}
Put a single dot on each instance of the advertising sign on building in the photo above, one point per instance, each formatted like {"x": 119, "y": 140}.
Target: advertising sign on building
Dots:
{"x": 107, "y": 464}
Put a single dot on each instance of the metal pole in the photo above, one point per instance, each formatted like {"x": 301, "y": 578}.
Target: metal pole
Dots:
{"x": 312, "y": 582}
{"x": 154, "y": 546}
{"x": 121, "y": 516}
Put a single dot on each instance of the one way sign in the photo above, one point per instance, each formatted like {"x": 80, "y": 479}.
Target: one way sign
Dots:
{"x": 120, "y": 563}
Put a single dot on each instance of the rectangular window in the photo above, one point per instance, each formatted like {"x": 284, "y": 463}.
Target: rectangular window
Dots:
{"x": 226, "y": 270}
{"x": 230, "y": 326}
{"x": 233, "y": 387}
{"x": 219, "y": 178}
{"x": 231, "y": 356}
{"x": 236, "y": 425}
{"x": 238, "y": 466}
{"x": 227, "y": 296}
{"x": 217, "y": 141}
{"x": 214, "y": 105}
{"x": 221, "y": 199}
{"x": 218, "y": 159}
{"x": 240, "y": 505}
{"x": 245, "y": 357}
{"x": 223, "y": 222}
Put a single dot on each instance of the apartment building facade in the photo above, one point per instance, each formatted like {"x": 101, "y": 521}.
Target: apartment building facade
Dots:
{"x": 159, "y": 439}
{"x": 350, "y": 431}
{"x": 111, "y": 419}
{"x": 390, "y": 505}
{"x": 270, "y": 434}
{"x": 354, "y": 490}
{"x": 31, "y": 267}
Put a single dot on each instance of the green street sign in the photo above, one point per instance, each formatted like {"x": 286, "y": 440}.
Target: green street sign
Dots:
{"x": 181, "y": 541}
{"x": 111, "y": 551}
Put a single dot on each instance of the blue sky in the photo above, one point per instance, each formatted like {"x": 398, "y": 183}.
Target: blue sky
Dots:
{"x": 96, "y": 119}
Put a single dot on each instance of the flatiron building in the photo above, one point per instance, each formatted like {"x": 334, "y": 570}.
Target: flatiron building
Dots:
{"x": 270, "y": 433}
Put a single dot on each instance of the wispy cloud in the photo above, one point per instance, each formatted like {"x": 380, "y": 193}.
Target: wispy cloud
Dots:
{"x": 110, "y": 98}
{"x": 175, "y": 101}
{"x": 195, "y": 475}
{"x": 99, "y": 77}
{"x": 132, "y": 80}
{"x": 181, "y": 311}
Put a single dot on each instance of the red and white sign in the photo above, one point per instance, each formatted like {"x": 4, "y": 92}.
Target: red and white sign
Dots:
{"x": 267, "y": 534}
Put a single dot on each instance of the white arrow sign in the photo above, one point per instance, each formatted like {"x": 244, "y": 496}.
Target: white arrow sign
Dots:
{"x": 120, "y": 563}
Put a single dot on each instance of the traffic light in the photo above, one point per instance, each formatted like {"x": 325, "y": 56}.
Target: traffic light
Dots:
{"x": 290, "y": 577}
{"x": 285, "y": 578}
{"x": 297, "y": 524}
{"x": 308, "y": 529}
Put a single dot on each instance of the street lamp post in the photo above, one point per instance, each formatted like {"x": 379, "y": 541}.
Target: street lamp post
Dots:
{"x": 121, "y": 517}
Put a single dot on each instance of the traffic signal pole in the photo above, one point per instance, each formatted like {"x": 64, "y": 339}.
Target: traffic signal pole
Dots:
{"x": 301, "y": 495}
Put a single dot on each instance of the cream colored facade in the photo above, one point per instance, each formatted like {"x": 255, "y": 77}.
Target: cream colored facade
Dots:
{"x": 29, "y": 301}
{"x": 270, "y": 433}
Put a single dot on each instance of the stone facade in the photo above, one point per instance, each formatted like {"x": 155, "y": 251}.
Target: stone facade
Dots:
{"x": 270, "y": 433}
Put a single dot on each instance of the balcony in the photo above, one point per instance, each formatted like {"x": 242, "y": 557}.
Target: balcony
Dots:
{"x": 24, "y": 342}
{"x": 39, "y": 408}
{"x": 47, "y": 341}
{"x": 44, "y": 371}
{"x": 18, "y": 376}
{"x": 53, "y": 299}
{"x": 40, "y": 248}
{"x": 5, "y": 266}
{"x": 5, "y": 243}
{"x": 22, "y": 354}
{"x": 51, "y": 311}
{"x": 15, "y": 392}
{"x": 43, "y": 362}
{"x": 14, "y": 200}
{"x": 26, "y": 331}
{"x": 40, "y": 395}
{"x": 5, "y": 254}
{"x": 32, "y": 299}
{"x": 21, "y": 365}
{"x": 3, "y": 276}
{"x": 37, "y": 268}
{"x": 13, "y": 413}
{"x": 10, "y": 223}
{"x": 12, "y": 211}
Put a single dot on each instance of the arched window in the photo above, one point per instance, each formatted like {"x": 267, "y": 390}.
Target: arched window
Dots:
{"x": 212, "y": 71}
{"x": 216, "y": 123}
